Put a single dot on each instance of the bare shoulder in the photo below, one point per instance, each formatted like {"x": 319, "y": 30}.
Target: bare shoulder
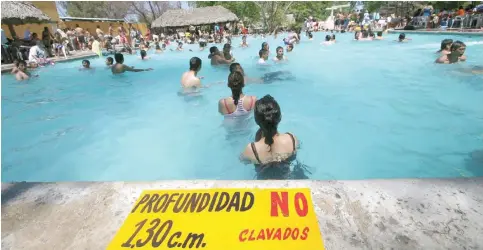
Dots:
{"x": 247, "y": 155}
{"x": 287, "y": 139}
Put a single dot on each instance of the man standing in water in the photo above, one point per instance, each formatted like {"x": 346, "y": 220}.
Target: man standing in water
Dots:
{"x": 457, "y": 54}
{"x": 217, "y": 57}
{"x": 189, "y": 79}
{"x": 120, "y": 68}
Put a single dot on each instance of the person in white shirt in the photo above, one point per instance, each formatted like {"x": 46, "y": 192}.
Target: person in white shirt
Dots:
{"x": 263, "y": 57}
{"x": 37, "y": 54}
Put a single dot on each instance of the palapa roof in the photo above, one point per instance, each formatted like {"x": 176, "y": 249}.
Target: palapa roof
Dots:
{"x": 17, "y": 12}
{"x": 197, "y": 16}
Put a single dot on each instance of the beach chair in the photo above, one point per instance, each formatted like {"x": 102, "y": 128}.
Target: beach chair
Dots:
{"x": 458, "y": 20}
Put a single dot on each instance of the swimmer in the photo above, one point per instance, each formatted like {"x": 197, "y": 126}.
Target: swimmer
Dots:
{"x": 202, "y": 42}
{"x": 266, "y": 47}
{"x": 22, "y": 73}
{"x": 86, "y": 65}
{"x": 244, "y": 43}
{"x": 311, "y": 37}
{"x": 266, "y": 79}
{"x": 180, "y": 47}
{"x": 332, "y": 39}
{"x": 328, "y": 40}
{"x": 272, "y": 153}
{"x": 457, "y": 54}
{"x": 289, "y": 48}
{"x": 158, "y": 48}
{"x": 237, "y": 104}
{"x": 109, "y": 62}
{"x": 402, "y": 38}
{"x": 15, "y": 66}
{"x": 475, "y": 70}
{"x": 445, "y": 47}
{"x": 263, "y": 57}
{"x": 144, "y": 55}
{"x": 189, "y": 79}
{"x": 280, "y": 57}
{"x": 217, "y": 57}
{"x": 379, "y": 36}
{"x": 227, "y": 54}
{"x": 120, "y": 67}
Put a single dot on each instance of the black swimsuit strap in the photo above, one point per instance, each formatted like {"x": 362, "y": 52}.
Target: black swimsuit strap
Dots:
{"x": 293, "y": 141}
{"x": 255, "y": 152}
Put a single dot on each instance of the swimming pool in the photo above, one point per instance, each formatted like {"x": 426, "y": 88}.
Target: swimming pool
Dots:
{"x": 360, "y": 109}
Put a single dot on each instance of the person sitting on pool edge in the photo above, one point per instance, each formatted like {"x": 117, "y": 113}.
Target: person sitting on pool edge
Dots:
{"x": 237, "y": 104}
{"x": 272, "y": 153}
{"x": 189, "y": 79}
{"x": 457, "y": 54}
{"x": 120, "y": 67}
{"x": 109, "y": 61}
{"x": 445, "y": 47}
{"x": 280, "y": 57}
{"x": 22, "y": 73}
{"x": 217, "y": 57}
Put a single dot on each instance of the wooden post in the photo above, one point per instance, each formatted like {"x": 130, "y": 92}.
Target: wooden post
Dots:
{"x": 12, "y": 31}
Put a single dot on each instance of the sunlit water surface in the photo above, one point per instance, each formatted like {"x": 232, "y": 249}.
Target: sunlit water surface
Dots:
{"x": 361, "y": 110}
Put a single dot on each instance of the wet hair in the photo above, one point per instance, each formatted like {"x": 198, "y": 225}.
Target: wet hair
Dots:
{"x": 195, "y": 63}
{"x": 16, "y": 62}
{"x": 263, "y": 44}
{"x": 456, "y": 45}
{"x": 356, "y": 35}
{"x": 233, "y": 67}
{"x": 402, "y": 36}
{"x": 157, "y": 45}
{"x": 22, "y": 62}
{"x": 310, "y": 35}
{"x": 333, "y": 36}
{"x": 327, "y": 38}
{"x": 226, "y": 46}
{"x": 279, "y": 47}
{"x": 143, "y": 54}
{"x": 110, "y": 59}
{"x": 261, "y": 52}
{"x": 379, "y": 33}
{"x": 119, "y": 58}
{"x": 86, "y": 61}
{"x": 267, "y": 116}
{"x": 445, "y": 43}
{"x": 236, "y": 82}
{"x": 290, "y": 46}
{"x": 213, "y": 50}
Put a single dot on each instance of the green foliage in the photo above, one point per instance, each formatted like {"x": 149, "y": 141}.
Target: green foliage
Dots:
{"x": 90, "y": 9}
{"x": 249, "y": 12}
{"x": 302, "y": 10}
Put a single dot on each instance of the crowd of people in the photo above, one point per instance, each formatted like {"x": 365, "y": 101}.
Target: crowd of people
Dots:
{"x": 273, "y": 153}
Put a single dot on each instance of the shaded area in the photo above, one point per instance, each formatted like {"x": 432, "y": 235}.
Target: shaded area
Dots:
{"x": 13, "y": 190}
{"x": 474, "y": 162}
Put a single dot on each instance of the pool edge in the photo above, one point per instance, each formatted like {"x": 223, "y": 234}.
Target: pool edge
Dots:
{"x": 363, "y": 214}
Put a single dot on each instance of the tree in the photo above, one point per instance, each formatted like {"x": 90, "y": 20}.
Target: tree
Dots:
{"x": 273, "y": 13}
{"x": 302, "y": 10}
{"x": 148, "y": 11}
{"x": 249, "y": 12}
{"x": 106, "y": 9}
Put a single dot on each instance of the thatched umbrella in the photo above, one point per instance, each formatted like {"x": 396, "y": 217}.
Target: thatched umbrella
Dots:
{"x": 198, "y": 16}
{"x": 14, "y": 12}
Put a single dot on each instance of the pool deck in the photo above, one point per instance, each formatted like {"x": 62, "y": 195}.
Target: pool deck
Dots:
{"x": 74, "y": 56}
{"x": 366, "y": 214}
{"x": 472, "y": 32}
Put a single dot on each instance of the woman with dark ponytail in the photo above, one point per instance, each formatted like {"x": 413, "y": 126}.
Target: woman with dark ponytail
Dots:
{"x": 272, "y": 153}
{"x": 237, "y": 104}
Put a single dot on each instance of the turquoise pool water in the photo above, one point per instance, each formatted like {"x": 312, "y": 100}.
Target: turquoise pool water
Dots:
{"x": 361, "y": 110}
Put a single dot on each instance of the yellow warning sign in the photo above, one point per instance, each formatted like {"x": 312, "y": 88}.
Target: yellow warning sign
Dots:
{"x": 221, "y": 219}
